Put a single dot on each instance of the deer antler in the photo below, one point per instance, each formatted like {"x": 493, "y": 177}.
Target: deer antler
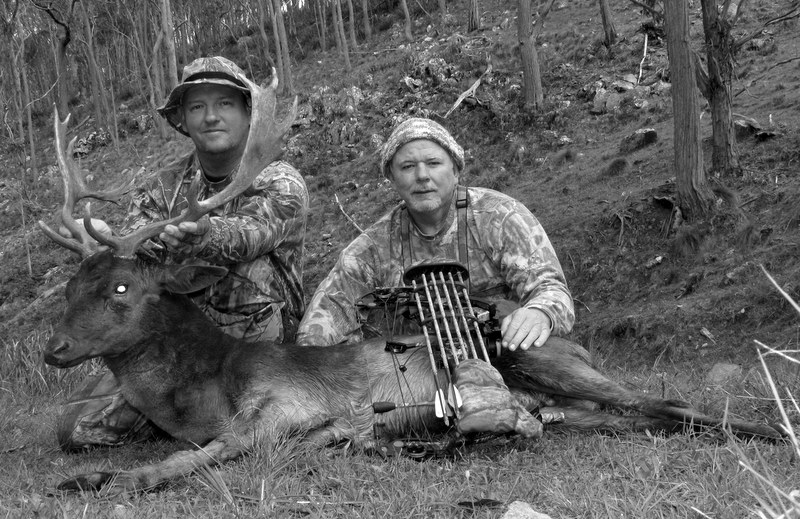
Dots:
{"x": 263, "y": 146}
{"x": 75, "y": 189}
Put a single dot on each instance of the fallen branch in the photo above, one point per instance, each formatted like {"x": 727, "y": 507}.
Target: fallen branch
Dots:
{"x": 470, "y": 91}
{"x": 641, "y": 63}
{"x": 349, "y": 218}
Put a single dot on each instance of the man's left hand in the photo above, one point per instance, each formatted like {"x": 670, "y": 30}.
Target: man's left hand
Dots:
{"x": 187, "y": 238}
{"x": 525, "y": 327}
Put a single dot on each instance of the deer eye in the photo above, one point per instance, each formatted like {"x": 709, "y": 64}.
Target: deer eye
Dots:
{"x": 122, "y": 288}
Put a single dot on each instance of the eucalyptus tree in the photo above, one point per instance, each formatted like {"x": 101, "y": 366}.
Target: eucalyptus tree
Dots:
{"x": 695, "y": 198}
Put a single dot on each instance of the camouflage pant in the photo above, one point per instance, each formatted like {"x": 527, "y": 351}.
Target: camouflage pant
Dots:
{"x": 98, "y": 414}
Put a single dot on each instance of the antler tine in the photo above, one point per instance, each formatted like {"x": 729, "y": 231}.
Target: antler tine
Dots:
{"x": 74, "y": 190}
{"x": 263, "y": 147}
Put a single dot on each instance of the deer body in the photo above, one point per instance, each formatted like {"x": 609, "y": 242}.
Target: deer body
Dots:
{"x": 203, "y": 386}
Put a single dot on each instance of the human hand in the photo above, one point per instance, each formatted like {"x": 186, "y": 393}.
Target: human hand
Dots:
{"x": 98, "y": 224}
{"x": 525, "y": 327}
{"x": 187, "y": 238}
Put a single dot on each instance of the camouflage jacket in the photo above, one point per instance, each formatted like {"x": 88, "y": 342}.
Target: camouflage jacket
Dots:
{"x": 509, "y": 257}
{"x": 258, "y": 236}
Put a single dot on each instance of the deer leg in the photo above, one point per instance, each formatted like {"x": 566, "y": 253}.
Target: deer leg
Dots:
{"x": 583, "y": 419}
{"x": 562, "y": 368}
{"x": 225, "y": 447}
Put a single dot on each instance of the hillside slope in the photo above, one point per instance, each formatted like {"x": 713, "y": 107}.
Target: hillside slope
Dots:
{"x": 641, "y": 299}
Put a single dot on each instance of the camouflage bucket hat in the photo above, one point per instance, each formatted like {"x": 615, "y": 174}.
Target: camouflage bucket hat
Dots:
{"x": 419, "y": 128}
{"x": 214, "y": 70}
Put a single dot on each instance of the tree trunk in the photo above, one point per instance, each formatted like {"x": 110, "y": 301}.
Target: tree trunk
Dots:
{"x": 262, "y": 31}
{"x": 719, "y": 52}
{"x": 341, "y": 39}
{"x": 352, "y": 23}
{"x": 322, "y": 24}
{"x": 367, "y": 25}
{"x": 608, "y": 24}
{"x": 60, "y": 56}
{"x": 407, "y": 27}
{"x": 168, "y": 28}
{"x": 473, "y": 16}
{"x": 278, "y": 54}
{"x": 101, "y": 109}
{"x": 28, "y": 103}
{"x": 282, "y": 48}
{"x": 533, "y": 94}
{"x": 695, "y": 198}
{"x": 19, "y": 97}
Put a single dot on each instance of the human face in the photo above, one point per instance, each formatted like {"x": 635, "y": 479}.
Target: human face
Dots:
{"x": 425, "y": 177}
{"x": 216, "y": 118}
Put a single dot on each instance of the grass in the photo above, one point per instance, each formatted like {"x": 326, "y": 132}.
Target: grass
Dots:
{"x": 563, "y": 475}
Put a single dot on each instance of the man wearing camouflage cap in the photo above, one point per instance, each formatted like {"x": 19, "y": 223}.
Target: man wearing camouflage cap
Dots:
{"x": 498, "y": 240}
{"x": 258, "y": 237}
{"x": 501, "y": 243}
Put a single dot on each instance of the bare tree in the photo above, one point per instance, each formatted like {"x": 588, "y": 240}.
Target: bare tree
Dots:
{"x": 533, "y": 94}
{"x": 352, "y": 23}
{"x": 262, "y": 31}
{"x": 139, "y": 41}
{"x": 609, "y": 29}
{"x": 8, "y": 65}
{"x": 341, "y": 39}
{"x": 407, "y": 27}
{"x": 322, "y": 24}
{"x": 719, "y": 53}
{"x": 99, "y": 101}
{"x": 695, "y": 198}
{"x": 62, "y": 20}
{"x": 28, "y": 103}
{"x": 282, "y": 47}
{"x": 169, "y": 44}
{"x": 473, "y": 16}
{"x": 367, "y": 25}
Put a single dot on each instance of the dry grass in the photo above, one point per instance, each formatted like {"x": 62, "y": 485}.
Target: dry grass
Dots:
{"x": 564, "y": 475}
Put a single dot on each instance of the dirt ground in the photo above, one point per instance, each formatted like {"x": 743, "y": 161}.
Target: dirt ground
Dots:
{"x": 642, "y": 297}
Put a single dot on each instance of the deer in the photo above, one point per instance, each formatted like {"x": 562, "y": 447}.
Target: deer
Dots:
{"x": 222, "y": 394}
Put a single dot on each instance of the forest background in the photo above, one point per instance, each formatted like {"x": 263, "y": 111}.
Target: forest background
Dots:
{"x": 662, "y": 220}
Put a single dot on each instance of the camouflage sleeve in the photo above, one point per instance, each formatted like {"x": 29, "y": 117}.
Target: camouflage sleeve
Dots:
{"x": 141, "y": 211}
{"x": 332, "y": 316}
{"x": 273, "y": 210}
{"x": 530, "y": 266}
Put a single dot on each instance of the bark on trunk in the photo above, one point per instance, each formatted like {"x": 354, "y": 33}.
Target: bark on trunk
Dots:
{"x": 407, "y": 26}
{"x": 609, "y": 29}
{"x": 695, "y": 198}
{"x": 168, "y": 27}
{"x": 719, "y": 52}
{"x": 367, "y": 25}
{"x": 473, "y": 16}
{"x": 533, "y": 94}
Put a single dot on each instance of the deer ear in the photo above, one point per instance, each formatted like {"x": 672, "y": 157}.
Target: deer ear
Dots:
{"x": 185, "y": 279}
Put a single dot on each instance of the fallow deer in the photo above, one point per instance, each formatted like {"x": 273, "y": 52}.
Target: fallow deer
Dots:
{"x": 220, "y": 393}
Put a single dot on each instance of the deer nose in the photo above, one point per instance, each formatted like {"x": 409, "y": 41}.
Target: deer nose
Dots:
{"x": 55, "y": 351}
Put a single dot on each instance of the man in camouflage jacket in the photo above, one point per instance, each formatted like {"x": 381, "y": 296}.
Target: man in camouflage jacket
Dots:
{"x": 508, "y": 255}
{"x": 257, "y": 236}
{"x": 503, "y": 247}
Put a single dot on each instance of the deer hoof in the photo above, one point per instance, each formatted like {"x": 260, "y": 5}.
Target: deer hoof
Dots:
{"x": 93, "y": 481}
